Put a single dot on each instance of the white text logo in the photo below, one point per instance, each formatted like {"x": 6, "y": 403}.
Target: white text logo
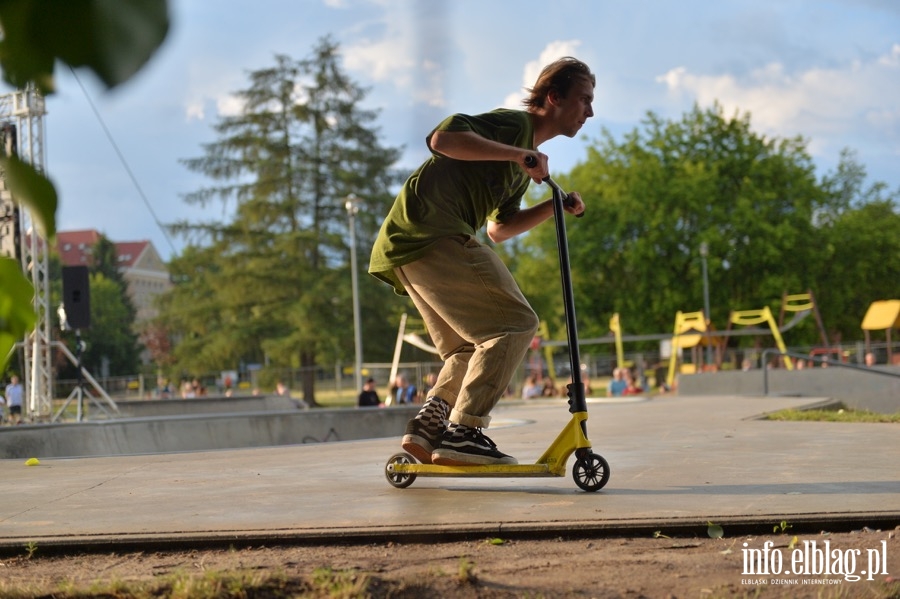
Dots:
{"x": 815, "y": 559}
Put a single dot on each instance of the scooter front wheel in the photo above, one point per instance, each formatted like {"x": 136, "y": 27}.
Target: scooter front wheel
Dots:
{"x": 397, "y": 479}
{"x": 591, "y": 472}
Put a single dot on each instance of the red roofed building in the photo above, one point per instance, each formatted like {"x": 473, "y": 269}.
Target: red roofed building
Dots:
{"x": 141, "y": 266}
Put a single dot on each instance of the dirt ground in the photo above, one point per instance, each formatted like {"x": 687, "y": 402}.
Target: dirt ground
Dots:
{"x": 658, "y": 566}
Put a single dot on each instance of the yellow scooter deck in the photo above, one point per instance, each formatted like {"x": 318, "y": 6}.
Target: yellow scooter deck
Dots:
{"x": 487, "y": 470}
{"x": 551, "y": 463}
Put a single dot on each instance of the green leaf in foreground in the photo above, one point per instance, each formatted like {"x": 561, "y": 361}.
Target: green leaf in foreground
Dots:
{"x": 33, "y": 190}
{"x": 113, "y": 39}
{"x": 17, "y": 316}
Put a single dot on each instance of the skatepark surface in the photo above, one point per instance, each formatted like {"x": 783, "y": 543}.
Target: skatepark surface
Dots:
{"x": 677, "y": 463}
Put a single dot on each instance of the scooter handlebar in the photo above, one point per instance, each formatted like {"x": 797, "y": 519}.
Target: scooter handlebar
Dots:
{"x": 531, "y": 162}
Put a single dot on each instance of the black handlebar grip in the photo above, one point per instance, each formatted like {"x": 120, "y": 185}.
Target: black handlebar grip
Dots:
{"x": 568, "y": 203}
{"x": 531, "y": 162}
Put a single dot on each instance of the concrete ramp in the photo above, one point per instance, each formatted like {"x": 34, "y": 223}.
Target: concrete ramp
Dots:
{"x": 154, "y": 408}
{"x": 202, "y": 432}
{"x": 857, "y": 388}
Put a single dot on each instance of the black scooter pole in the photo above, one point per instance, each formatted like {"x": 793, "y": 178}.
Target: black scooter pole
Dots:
{"x": 577, "y": 401}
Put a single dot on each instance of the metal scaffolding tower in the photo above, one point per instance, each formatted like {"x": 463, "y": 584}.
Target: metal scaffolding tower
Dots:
{"x": 22, "y": 116}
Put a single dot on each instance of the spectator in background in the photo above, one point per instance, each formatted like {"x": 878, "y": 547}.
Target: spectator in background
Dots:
{"x": 586, "y": 381}
{"x": 870, "y": 359}
{"x": 429, "y": 382}
{"x": 660, "y": 374}
{"x": 199, "y": 389}
{"x": 163, "y": 388}
{"x": 631, "y": 387}
{"x": 368, "y": 397}
{"x": 617, "y": 385}
{"x": 548, "y": 389}
{"x": 531, "y": 388}
{"x": 403, "y": 392}
{"x": 15, "y": 395}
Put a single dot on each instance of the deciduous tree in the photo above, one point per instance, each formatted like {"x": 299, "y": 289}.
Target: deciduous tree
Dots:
{"x": 771, "y": 227}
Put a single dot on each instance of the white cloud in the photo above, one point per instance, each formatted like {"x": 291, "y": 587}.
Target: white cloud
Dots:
{"x": 229, "y": 105}
{"x": 194, "y": 110}
{"x": 209, "y": 83}
{"x": 382, "y": 60}
{"x": 893, "y": 58}
{"x": 853, "y": 99}
{"x": 198, "y": 102}
{"x": 394, "y": 55}
{"x": 403, "y": 49}
{"x": 432, "y": 93}
{"x": 532, "y": 70}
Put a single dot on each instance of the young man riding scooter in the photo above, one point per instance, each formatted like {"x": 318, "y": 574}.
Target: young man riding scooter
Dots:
{"x": 477, "y": 316}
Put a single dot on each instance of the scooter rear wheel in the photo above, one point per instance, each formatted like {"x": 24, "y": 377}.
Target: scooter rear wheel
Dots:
{"x": 591, "y": 472}
{"x": 398, "y": 480}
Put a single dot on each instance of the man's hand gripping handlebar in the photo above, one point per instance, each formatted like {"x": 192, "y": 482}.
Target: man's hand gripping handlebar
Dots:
{"x": 531, "y": 162}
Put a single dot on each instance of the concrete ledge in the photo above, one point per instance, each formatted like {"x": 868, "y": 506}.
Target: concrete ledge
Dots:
{"x": 155, "y": 408}
{"x": 855, "y": 388}
{"x": 202, "y": 432}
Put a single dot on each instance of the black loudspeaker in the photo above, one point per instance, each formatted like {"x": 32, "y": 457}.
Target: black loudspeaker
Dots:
{"x": 77, "y": 296}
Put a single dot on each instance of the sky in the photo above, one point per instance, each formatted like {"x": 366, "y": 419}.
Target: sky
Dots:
{"x": 828, "y": 70}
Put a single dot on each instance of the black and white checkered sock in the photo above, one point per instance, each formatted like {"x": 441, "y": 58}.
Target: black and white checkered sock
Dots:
{"x": 434, "y": 413}
{"x": 458, "y": 431}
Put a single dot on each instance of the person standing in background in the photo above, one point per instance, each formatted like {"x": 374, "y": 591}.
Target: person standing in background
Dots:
{"x": 368, "y": 397}
{"x": 15, "y": 396}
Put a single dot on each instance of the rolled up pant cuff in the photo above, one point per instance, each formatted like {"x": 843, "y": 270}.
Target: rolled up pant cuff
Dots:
{"x": 458, "y": 417}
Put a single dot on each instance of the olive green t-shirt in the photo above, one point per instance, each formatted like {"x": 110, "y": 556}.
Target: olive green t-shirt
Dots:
{"x": 447, "y": 197}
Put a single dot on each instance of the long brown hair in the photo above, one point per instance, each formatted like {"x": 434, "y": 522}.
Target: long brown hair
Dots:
{"x": 558, "y": 76}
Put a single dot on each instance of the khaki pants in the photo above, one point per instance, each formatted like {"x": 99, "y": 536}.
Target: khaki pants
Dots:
{"x": 479, "y": 321}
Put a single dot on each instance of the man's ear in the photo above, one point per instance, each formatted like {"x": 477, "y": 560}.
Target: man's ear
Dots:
{"x": 554, "y": 97}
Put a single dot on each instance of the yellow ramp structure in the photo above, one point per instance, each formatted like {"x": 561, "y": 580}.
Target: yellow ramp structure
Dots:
{"x": 682, "y": 338}
{"x": 544, "y": 333}
{"x": 801, "y": 304}
{"x": 882, "y": 315}
{"x": 616, "y": 329}
{"x": 756, "y": 317}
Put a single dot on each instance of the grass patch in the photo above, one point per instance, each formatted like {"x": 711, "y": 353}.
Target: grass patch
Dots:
{"x": 321, "y": 583}
{"x": 836, "y": 414}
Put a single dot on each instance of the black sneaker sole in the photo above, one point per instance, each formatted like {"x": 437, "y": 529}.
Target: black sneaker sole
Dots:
{"x": 449, "y": 457}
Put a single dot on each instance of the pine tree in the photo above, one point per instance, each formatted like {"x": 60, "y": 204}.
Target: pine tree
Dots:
{"x": 269, "y": 284}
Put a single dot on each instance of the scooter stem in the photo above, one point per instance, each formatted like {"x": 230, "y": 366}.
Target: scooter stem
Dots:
{"x": 577, "y": 400}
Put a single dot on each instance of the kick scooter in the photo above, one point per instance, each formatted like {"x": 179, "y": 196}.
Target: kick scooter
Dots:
{"x": 590, "y": 471}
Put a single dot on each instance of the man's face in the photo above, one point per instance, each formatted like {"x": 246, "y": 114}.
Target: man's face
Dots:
{"x": 575, "y": 108}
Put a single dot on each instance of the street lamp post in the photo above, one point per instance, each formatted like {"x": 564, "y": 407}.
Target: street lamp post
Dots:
{"x": 352, "y": 204}
{"x": 704, "y": 251}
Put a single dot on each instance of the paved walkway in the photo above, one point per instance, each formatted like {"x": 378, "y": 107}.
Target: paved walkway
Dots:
{"x": 676, "y": 463}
